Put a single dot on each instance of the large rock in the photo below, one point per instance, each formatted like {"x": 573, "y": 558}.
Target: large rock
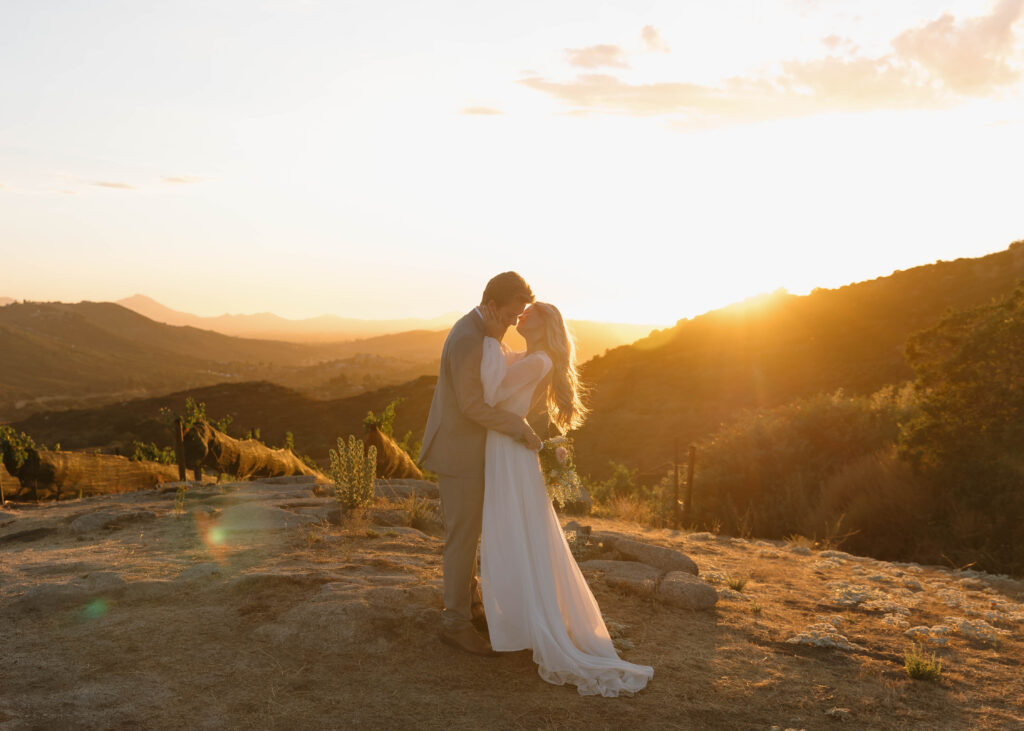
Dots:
{"x": 108, "y": 519}
{"x": 659, "y": 557}
{"x": 253, "y": 517}
{"x": 682, "y": 589}
{"x": 630, "y": 575}
{"x": 77, "y": 593}
{"x": 401, "y": 489}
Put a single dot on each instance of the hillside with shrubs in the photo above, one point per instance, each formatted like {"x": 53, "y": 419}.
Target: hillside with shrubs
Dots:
{"x": 889, "y": 426}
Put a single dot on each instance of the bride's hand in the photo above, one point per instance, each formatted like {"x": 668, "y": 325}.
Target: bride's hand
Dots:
{"x": 492, "y": 325}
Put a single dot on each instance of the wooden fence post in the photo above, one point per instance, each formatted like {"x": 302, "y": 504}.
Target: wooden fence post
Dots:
{"x": 179, "y": 448}
{"x": 675, "y": 493}
{"x": 689, "y": 485}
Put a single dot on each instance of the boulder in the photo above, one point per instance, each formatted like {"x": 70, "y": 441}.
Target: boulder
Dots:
{"x": 683, "y": 589}
{"x": 81, "y": 591}
{"x": 253, "y": 517}
{"x": 666, "y": 559}
{"x": 108, "y": 519}
{"x": 402, "y": 489}
{"x": 630, "y": 575}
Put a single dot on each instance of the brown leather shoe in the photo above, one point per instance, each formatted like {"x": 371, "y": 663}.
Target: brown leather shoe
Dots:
{"x": 467, "y": 640}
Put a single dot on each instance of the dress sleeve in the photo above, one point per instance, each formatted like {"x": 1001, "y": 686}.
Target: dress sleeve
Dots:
{"x": 493, "y": 366}
{"x": 526, "y": 371}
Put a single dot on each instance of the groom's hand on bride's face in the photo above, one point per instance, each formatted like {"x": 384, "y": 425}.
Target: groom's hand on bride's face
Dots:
{"x": 492, "y": 323}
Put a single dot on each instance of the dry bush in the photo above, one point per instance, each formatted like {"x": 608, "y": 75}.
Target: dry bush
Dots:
{"x": 631, "y": 508}
{"x": 885, "y": 507}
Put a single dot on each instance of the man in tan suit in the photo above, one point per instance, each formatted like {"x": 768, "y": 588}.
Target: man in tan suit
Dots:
{"x": 454, "y": 444}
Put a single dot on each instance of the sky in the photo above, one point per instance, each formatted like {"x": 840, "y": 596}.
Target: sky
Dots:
{"x": 635, "y": 160}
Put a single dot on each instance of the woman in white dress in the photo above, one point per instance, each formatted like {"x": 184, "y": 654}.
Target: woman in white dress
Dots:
{"x": 534, "y": 594}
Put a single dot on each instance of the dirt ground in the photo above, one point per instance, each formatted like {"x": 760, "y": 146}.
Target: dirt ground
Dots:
{"x": 245, "y": 608}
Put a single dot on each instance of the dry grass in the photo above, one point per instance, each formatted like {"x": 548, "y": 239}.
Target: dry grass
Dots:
{"x": 206, "y": 655}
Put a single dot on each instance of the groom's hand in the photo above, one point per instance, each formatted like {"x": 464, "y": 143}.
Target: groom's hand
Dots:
{"x": 492, "y": 325}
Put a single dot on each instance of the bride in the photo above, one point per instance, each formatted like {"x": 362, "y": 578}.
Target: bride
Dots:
{"x": 534, "y": 595}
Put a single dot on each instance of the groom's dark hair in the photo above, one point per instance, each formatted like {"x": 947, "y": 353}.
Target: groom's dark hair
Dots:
{"x": 506, "y": 287}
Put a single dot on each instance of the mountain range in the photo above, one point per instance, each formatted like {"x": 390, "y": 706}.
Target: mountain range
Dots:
{"x": 678, "y": 384}
{"x": 268, "y": 326}
{"x": 63, "y": 355}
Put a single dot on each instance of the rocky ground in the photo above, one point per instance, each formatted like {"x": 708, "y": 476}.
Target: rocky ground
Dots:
{"x": 251, "y": 605}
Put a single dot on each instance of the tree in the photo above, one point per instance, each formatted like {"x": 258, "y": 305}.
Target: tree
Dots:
{"x": 970, "y": 372}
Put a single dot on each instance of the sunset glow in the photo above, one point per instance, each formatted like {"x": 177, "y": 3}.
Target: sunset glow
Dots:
{"x": 385, "y": 159}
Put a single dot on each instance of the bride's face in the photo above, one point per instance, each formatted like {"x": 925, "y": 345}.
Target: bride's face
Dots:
{"x": 531, "y": 323}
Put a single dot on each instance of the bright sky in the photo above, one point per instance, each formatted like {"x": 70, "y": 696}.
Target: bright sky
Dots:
{"x": 635, "y": 160}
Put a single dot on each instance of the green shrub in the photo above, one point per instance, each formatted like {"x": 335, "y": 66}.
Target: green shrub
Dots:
{"x": 622, "y": 483}
{"x": 142, "y": 451}
{"x": 762, "y": 474}
{"x": 386, "y": 421}
{"x": 920, "y": 666}
{"x": 353, "y": 473}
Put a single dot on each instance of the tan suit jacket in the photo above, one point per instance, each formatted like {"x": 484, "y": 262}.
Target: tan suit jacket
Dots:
{"x": 456, "y": 433}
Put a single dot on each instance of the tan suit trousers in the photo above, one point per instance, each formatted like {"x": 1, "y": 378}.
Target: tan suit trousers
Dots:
{"x": 462, "y": 502}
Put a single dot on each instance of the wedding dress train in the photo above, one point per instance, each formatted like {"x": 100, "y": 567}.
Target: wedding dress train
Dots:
{"x": 534, "y": 594}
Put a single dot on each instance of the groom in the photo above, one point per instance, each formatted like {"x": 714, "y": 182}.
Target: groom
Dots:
{"x": 454, "y": 443}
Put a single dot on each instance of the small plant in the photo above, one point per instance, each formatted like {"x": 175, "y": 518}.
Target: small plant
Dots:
{"x": 353, "y": 472}
{"x": 386, "y": 421}
{"x": 421, "y": 513}
{"x": 920, "y": 666}
{"x": 142, "y": 451}
{"x": 756, "y": 609}
{"x": 194, "y": 412}
{"x": 579, "y": 544}
{"x": 179, "y": 500}
{"x": 736, "y": 583}
{"x": 796, "y": 539}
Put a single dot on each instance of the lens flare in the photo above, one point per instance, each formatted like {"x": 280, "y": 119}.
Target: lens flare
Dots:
{"x": 96, "y": 609}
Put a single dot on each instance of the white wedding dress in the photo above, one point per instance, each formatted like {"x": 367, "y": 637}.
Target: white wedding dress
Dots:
{"x": 534, "y": 594}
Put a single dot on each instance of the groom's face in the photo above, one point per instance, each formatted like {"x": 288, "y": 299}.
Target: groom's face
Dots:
{"x": 508, "y": 314}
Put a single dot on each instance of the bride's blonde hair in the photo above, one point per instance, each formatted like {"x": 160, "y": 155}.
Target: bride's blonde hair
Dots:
{"x": 564, "y": 403}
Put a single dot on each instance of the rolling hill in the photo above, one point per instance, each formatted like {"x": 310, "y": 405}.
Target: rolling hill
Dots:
{"x": 273, "y": 409}
{"x": 416, "y": 338}
{"x": 61, "y": 355}
{"x": 685, "y": 381}
{"x": 682, "y": 382}
{"x": 268, "y": 326}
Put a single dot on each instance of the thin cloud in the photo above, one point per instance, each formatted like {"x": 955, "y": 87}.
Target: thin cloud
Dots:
{"x": 653, "y": 40}
{"x": 182, "y": 179}
{"x": 972, "y": 57}
{"x": 110, "y": 184}
{"x": 593, "y": 57}
{"x": 482, "y": 111}
{"x": 933, "y": 66}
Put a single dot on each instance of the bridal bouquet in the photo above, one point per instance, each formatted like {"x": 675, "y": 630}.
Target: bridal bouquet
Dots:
{"x": 564, "y": 485}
